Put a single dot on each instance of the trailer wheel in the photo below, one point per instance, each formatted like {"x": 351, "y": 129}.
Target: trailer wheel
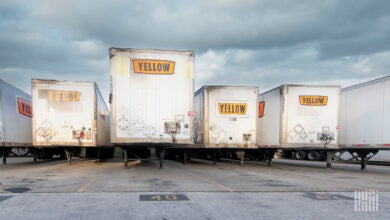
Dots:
{"x": 313, "y": 155}
{"x": 300, "y": 155}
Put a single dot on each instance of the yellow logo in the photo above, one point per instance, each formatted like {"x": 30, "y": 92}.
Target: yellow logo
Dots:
{"x": 226, "y": 108}
{"x": 160, "y": 67}
{"x": 313, "y": 100}
{"x": 62, "y": 95}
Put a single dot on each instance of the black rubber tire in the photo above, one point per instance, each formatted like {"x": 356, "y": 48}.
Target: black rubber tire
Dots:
{"x": 300, "y": 155}
{"x": 313, "y": 156}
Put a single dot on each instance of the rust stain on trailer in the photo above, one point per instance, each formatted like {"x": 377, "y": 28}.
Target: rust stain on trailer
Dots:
{"x": 123, "y": 65}
{"x": 189, "y": 71}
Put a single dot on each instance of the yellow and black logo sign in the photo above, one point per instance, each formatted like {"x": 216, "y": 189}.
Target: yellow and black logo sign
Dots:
{"x": 313, "y": 100}
{"x": 160, "y": 67}
{"x": 62, "y": 95}
{"x": 228, "y": 108}
{"x": 25, "y": 107}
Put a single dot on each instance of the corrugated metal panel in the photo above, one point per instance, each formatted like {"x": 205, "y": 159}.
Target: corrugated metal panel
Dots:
{"x": 364, "y": 114}
{"x": 68, "y": 114}
{"x": 152, "y": 96}
{"x": 270, "y": 123}
{"x": 15, "y": 116}
{"x": 229, "y": 116}
{"x": 199, "y": 118}
{"x": 295, "y": 116}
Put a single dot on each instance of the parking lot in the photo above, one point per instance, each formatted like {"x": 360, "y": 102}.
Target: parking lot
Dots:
{"x": 197, "y": 190}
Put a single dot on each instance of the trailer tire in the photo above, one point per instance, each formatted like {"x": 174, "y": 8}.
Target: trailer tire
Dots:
{"x": 313, "y": 156}
{"x": 300, "y": 155}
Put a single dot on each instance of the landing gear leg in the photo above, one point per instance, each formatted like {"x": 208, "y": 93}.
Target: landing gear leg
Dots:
{"x": 69, "y": 154}
{"x": 329, "y": 158}
{"x": 215, "y": 157}
{"x": 125, "y": 157}
{"x": 99, "y": 150}
{"x": 270, "y": 156}
{"x": 184, "y": 156}
{"x": 35, "y": 155}
{"x": 363, "y": 160}
{"x": 161, "y": 154}
{"x": 5, "y": 154}
{"x": 241, "y": 156}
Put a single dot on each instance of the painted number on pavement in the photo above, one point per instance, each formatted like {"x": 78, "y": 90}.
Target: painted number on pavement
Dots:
{"x": 327, "y": 196}
{"x": 163, "y": 197}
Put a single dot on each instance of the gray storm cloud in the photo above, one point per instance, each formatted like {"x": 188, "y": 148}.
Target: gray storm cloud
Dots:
{"x": 242, "y": 42}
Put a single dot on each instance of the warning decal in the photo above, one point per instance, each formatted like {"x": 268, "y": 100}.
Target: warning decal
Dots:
{"x": 228, "y": 108}
{"x": 25, "y": 107}
{"x": 313, "y": 100}
{"x": 160, "y": 67}
{"x": 261, "y": 109}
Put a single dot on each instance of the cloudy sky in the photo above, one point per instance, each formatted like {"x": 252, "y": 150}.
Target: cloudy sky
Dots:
{"x": 236, "y": 42}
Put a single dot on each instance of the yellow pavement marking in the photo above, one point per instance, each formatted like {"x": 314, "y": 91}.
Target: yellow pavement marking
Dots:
{"x": 212, "y": 182}
{"x": 86, "y": 186}
{"x": 133, "y": 163}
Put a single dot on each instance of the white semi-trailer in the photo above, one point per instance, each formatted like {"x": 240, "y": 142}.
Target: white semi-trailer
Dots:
{"x": 303, "y": 120}
{"x": 225, "y": 121}
{"x": 15, "y": 119}
{"x": 365, "y": 115}
{"x": 151, "y": 99}
{"x": 226, "y": 117}
{"x": 69, "y": 115}
{"x": 365, "y": 118}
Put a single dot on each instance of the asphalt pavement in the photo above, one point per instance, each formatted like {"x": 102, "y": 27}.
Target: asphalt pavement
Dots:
{"x": 198, "y": 190}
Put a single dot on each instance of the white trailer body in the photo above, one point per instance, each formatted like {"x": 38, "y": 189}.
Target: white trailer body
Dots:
{"x": 69, "y": 114}
{"x": 152, "y": 96}
{"x": 382, "y": 155}
{"x": 297, "y": 116}
{"x": 15, "y": 116}
{"x": 226, "y": 116}
{"x": 365, "y": 115}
